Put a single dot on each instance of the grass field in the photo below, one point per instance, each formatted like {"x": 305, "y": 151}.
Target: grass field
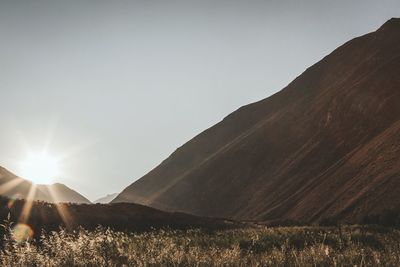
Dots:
{"x": 285, "y": 246}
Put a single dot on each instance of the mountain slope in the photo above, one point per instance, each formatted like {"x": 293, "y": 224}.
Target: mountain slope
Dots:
{"x": 325, "y": 146}
{"x": 59, "y": 193}
{"x": 106, "y": 199}
{"x": 17, "y": 187}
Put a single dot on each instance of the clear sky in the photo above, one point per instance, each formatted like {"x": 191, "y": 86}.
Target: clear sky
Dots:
{"x": 114, "y": 87}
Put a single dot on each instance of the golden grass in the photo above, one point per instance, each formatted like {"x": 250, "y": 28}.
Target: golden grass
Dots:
{"x": 286, "y": 246}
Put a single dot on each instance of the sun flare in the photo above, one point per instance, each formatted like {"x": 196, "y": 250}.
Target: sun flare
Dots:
{"x": 40, "y": 168}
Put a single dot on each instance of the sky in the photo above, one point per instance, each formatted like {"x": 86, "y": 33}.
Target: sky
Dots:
{"x": 111, "y": 88}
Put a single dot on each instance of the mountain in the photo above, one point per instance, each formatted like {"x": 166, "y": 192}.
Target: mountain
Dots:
{"x": 106, "y": 199}
{"x": 326, "y": 146}
{"x": 17, "y": 187}
{"x": 59, "y": 193}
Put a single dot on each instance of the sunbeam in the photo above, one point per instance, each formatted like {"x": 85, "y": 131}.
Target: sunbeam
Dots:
{"x": 8, "y": 186}
{"x": 61, "y": 209}
{"x": 23, "y": 218}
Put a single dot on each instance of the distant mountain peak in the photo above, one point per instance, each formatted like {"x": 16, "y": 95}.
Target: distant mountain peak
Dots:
{"x": 106, "y": 199}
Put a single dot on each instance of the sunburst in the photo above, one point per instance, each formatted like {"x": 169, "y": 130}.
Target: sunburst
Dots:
{"x": 40, "y": 168}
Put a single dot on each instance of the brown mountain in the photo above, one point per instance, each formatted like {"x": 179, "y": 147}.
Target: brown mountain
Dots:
{"x": 327, "y": 145}
{"x": 17, "y": 187}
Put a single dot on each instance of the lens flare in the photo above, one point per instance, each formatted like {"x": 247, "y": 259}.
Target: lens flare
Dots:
{"x": 22, "y": 232}
{"x": 12, "y": 199}
{"x": 10, "y": 203}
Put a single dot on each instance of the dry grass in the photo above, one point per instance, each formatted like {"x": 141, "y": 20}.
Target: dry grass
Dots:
{"x": 291, "y": 246}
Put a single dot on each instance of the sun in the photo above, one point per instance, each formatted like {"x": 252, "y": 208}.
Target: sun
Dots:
{"x": 40, "y": 168}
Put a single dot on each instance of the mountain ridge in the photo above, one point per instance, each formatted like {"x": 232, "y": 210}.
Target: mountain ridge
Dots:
{"x": 277, "y": 158}
{"x": 106, "y": 199}
{"x": 14, "y": 186}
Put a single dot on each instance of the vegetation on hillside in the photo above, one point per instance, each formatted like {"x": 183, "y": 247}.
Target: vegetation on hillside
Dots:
{"x": 282, "y": 246}
{"x": 126, "y": 217}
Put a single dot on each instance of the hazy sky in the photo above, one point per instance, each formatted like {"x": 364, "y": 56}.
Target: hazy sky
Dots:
{"x": 116, "y": 86}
